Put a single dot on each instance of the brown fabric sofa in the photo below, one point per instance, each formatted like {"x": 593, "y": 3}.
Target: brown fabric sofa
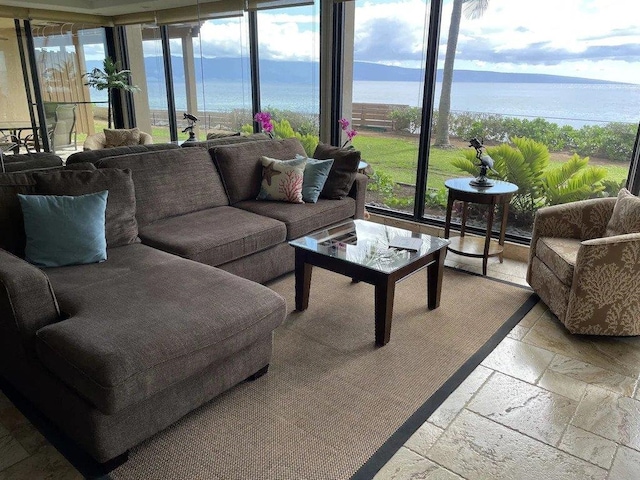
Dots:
{"x": 114, "y": 352}
{"x": 585, "y": 273}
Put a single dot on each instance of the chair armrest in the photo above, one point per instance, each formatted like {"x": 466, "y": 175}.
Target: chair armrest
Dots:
{"x": 95, "y": 141}
{"x": 582, "y": 220}
{"x": 358, "y": 192}
{"x": 27, "y": 301}
{"x": 145, "y": 139}
{"x": 604, "y": 297}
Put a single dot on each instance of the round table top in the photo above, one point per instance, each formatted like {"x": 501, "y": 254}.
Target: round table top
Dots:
{"x": 462, "y": 185}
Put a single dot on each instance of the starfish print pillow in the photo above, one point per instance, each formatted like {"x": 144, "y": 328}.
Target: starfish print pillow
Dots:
{"x": 282, "y": 180}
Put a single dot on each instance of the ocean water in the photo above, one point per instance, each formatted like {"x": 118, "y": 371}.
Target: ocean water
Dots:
{"x": 564, "y": 104}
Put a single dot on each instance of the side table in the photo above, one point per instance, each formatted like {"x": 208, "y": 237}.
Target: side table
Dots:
{"x": 498, "y": 194}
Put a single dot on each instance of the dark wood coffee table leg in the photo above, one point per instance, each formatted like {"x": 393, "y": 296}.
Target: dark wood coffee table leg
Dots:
{"x": 385, "y": 291}
{"x": 435, "y": 271}
{"x": 303, "y": 280}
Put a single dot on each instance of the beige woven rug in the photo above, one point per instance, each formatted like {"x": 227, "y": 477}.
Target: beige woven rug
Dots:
{"x": 331, "y": 401}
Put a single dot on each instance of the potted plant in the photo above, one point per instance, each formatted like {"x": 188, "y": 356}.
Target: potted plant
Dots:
{"x": 110, "y": 78}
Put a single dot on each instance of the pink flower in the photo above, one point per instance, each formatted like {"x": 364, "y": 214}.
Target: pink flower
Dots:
{"x": 264, "y": 119}
{"x": 351, "y": 134}
{"x": 344, "y": 123}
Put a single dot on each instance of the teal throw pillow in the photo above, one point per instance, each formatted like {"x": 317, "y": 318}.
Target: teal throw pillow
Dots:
{"x": 316, "y": 173}
{"x": 64, "y": 230}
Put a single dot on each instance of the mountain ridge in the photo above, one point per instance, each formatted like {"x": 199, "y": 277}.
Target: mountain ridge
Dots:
{"x": 273, "y": 71}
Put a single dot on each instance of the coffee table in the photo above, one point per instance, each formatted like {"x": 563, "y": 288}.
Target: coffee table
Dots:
{"x": 360, "y": 249}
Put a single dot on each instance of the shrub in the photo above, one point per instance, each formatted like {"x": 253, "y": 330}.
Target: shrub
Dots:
{"x": 406, "y": 118}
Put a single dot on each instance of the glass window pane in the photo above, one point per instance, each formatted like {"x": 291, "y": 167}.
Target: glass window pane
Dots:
{"x": 387, "y": 92}
{"x": 289, "y": 52}
{"x": 156, "y": 86}
{"x": 554, "y": 98}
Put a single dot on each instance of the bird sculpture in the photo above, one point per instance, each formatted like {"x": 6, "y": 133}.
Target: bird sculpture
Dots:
{"x": 191, "y": 120}
{"x": 486, "y": 163}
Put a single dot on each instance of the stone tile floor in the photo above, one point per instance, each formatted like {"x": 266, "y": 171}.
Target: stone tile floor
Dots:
{"x": 543, "y": 405}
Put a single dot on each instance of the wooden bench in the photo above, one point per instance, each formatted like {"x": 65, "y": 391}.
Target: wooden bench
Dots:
{"x": 374, "y": 116}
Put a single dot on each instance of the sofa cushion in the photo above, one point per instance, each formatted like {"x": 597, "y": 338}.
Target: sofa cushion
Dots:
{"x": 12, "y": 238}
{"x": 559, "y": 255}
{"x": 302, "y": 219}
{"x": 626, "y": 215}
{"x": 121, "y": 224}
{"x": 215, "y": 142}
{"x": 94, "y": 156}
{"x": 343, "y": 171}
{"x": 240, "y": 165}
{"x": 31, "y": 161}
{"x": 171, "y": 182}
{"x": 63, "y": 229}
{"x": 282, "y": 180}
{"x": 214, "y": 236}
{"x": 121, "y": 137}
{"x": 115, "y": 351}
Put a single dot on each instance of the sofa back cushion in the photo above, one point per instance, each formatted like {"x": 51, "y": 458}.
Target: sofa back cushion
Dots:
{"x": 121, "y": 227}
{"x": 240, "y": 165}
{"x": 94, "y": 156}
{"x": 12, "y": 236}
{"x": 31, "y": 161}
{"x": 171, "y": 182}
{"x": 230, "y": 140}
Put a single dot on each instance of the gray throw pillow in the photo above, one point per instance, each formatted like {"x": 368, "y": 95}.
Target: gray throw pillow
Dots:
{"x": 343, "y": 171}
{"x": 121, "y": 226}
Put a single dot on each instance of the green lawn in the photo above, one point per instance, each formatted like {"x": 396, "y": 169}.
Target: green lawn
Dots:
{"x": 397, "y": 156}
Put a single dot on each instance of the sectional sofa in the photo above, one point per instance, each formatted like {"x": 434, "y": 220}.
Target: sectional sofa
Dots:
{"x": 116, "y": 351}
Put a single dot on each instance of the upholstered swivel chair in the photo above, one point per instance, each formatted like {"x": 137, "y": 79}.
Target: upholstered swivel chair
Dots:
{"x": 584, "y": 263}
{"x": 99, "y": 140}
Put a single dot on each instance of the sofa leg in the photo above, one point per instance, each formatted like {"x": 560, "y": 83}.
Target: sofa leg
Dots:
{"x": 258, "y": 374}
{"x": 114, "y": 463}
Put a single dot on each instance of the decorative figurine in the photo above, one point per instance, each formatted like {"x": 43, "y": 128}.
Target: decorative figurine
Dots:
{"x": 191, "y": 119}
{"x": 486, "y": 162}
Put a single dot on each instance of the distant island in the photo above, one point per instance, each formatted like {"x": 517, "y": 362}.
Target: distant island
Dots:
{"x": 272, "y": 71}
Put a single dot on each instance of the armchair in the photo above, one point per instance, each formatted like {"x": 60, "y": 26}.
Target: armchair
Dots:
{"x": 98, "y": 141}
{"x": 586, "y": 271}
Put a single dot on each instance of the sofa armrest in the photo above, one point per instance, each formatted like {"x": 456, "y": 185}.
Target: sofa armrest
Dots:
{"x": 581, "y": 220}
{"x": 359, "y": 192}
{"x": 27, "y": 301}
{"x": 604, "y": 297}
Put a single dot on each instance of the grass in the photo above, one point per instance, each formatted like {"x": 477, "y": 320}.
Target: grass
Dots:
{"x": 398, "y": 157}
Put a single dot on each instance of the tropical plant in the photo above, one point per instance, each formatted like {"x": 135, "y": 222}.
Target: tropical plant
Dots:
{"x": 406, "y": 118}
{"x": 572, "y": 181}
{"x": 473, "y": 9}
{"x": 110, "y": 78}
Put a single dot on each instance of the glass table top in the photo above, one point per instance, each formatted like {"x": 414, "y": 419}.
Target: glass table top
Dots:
{"x": 370, "y": 244}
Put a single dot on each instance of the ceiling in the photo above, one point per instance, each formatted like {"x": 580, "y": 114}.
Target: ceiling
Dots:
{"x": 107, "y": 8}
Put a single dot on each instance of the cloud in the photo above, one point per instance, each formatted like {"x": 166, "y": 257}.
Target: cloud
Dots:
{"x": 386, "y": 40}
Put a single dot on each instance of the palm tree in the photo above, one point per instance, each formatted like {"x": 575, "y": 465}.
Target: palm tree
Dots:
{"x": 473, "y": 9}
{"x": 110, "y": 79}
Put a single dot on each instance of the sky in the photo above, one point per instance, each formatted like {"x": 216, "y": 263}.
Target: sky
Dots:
{"x": 587, "y": 38}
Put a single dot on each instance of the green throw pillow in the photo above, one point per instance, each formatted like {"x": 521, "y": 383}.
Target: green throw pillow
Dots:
{"x": 316, "y": 173}
{"x": 64, "y": 230}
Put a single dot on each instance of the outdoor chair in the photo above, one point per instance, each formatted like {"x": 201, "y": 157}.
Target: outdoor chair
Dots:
{"x": 584, "y": 263}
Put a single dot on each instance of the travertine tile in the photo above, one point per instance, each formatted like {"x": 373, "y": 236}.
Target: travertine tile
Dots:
{"x": 524, "y": 407}
{"x": 446, "y": 412}
{"x": 533, "y": 315}
{"x": 626, "y": 464}
{"x": 3, "y": 431}
{"x": 519, "y": 360}
{"x": 593, "y": 375}
{"x": 424, "y": 438}
{"x": 10, "y": 452}
{"x": 21, "y": 429}
{"x": 609, "y": 415}
{"x": 561, "y": 384}
{"x": 47, "y": 464}
{"x": 480, "y": 449}
{"x": 518, "y": 332}
{"x": 4, "y": 401}
{"x": 407, "y": 465}
{"x": 588, "y": 446}
{"x": 611, "y": 353}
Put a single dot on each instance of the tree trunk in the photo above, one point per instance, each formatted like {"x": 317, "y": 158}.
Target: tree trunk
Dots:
{"x": 444, "y": 107}
{"x": 109, "y": 107}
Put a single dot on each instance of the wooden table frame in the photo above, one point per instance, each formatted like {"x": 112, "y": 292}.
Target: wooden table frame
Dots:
{"x": 491, "y": 199}
{"x": 385, "y": 283}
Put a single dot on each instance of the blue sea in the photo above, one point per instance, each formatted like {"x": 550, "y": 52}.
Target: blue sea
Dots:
{"x": 564, "y": 104}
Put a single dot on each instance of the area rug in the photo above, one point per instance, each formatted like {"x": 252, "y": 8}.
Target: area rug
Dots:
{"x": 333, "y": 406}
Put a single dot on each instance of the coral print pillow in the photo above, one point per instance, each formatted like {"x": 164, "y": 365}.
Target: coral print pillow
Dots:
{"x": 282, "y": 180}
